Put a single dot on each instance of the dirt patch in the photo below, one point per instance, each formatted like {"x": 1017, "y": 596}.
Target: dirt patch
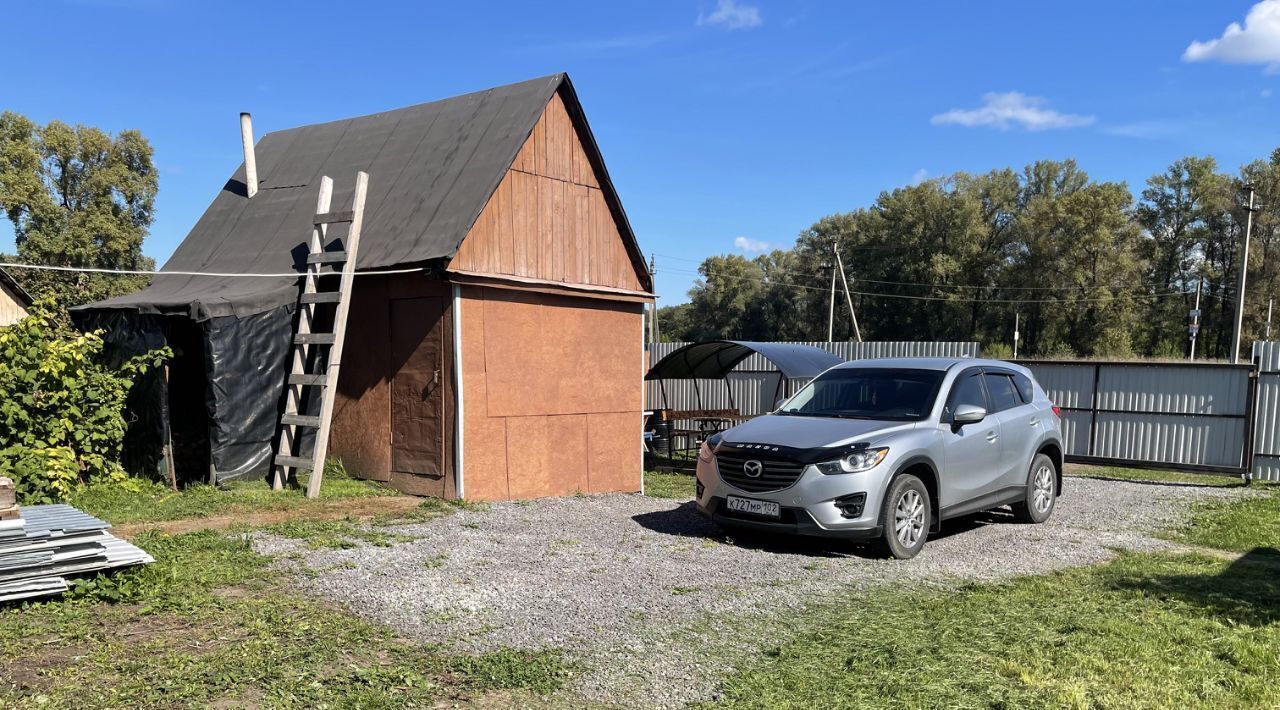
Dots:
{"x": 358, "y": 508}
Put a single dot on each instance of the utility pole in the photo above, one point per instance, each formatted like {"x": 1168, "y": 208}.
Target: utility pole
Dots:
{"x": 1017, "y": 318}
{"x": 1194, "y": 328}
{"x": 847, "y": 295}
{"x": 831, "y": 309}
{"x": 1270, "y": 301}
{"x": 1244, "y": 268}
{"x": 653, "y": 309}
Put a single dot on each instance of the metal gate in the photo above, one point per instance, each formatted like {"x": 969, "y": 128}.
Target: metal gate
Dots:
{"x": 1180, "y": 416}
{"x": 1266, "y": 438}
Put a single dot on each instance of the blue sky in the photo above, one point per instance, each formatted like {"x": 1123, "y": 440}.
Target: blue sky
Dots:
{"x": 727, "y": 125}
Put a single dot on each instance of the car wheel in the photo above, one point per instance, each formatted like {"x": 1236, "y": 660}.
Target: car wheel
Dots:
{"x": 905, "y": 516}
{"x": 1042, "y": 492}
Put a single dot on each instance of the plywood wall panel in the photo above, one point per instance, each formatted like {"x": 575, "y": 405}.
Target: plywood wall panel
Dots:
{"x": 568, "y": 456}
{"x": 614, "y": 452}
{"x": 549, "y": 367}
{"x": 529, "y": 472}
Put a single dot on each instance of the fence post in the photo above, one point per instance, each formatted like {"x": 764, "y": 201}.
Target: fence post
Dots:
{"x": 1093, "y": 410}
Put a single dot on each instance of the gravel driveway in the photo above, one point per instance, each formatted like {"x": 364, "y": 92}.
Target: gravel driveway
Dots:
{"x": 656, "y": 604}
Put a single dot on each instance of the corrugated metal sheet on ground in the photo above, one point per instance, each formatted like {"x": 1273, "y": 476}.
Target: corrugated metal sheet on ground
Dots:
{"x": 50, "y": 541}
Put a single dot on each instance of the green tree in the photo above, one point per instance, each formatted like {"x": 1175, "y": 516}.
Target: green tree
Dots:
{"x": 77, "y": 197}
{"x": 62, "y": 420}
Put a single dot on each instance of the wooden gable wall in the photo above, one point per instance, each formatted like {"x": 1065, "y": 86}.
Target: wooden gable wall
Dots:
{"x": 548, "y": 220}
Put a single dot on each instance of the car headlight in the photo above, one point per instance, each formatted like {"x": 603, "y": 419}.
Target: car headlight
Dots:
{"x": 856, "y": 462}
{"x": 704, "y": 451}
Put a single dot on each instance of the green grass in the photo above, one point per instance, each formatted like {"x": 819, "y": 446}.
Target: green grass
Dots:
{"x": 1142, "y": 631}
{"x": 1138, "y": 474}
{"x": 668, "y": 485}
{"x": 210, "y": 622}
{"x": 142, "y": 501}
{"x": 334, "y": 534}
{"x": 1145, "y": 630}
{"x": 1238, "y": 525}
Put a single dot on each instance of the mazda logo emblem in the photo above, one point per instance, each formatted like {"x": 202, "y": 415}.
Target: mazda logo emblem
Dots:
{"x": 753, "y": 468}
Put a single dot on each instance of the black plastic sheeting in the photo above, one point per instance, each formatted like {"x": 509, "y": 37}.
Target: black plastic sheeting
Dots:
{"x": 224, "y": 396}
{"x": 713, "y": 359}
{"x": 126, "y": 335}
{"x": 246, "y": 360}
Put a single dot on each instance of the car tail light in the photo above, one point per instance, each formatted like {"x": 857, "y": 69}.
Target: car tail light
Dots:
{"x": 1057, "y": 411}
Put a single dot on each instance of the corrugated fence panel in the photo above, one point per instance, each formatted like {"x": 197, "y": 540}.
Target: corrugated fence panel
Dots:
{"x": 1266, "y": 433}
{"x": 1068, "y": 385}
{"x": 1179, "y": 439}
{"x": 1212, "y": 389}
{"x": 1184, "y": 415}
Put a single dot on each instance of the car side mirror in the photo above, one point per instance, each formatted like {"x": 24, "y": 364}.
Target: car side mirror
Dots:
{"x": 968, "y": 414}
{"x": 778, "y": 403}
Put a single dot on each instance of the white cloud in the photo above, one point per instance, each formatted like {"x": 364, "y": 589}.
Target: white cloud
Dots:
{"x": 753, "y": 246}
{"x": 1009, "y": 109}
{"x": 919, "y": 176}
{"x": 1257, "y": 42}
{"x": 1266, "y": 93}
{"x": 733, "y": 16}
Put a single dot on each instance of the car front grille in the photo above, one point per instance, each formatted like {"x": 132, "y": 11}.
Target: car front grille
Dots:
{"x": 776, "y": 474}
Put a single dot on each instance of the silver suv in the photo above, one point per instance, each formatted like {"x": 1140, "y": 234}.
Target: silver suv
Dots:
{"x": 885, "y": 450}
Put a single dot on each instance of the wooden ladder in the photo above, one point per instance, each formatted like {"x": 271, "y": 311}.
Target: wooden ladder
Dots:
{"x": 307, "y": 342}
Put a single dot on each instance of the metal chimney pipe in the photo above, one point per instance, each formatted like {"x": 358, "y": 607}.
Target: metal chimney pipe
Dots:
{"x": 250, "y": 162}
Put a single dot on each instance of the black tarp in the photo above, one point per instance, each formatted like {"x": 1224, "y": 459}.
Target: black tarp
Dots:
{"x": 246, "y": 360}
{"x": 223, "y": 396}
{"x": 713, "y": 359}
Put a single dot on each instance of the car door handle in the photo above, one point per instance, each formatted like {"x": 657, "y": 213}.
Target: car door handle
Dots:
{"x": 1035, "y": 422}
{"x": 992, "y": 436}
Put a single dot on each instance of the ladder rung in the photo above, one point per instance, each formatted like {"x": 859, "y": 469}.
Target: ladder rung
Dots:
{"x": 309, "y": 380}
{"x": 334, "y": 217}
{"x": 301, "y": 420}
{"x": 313, "y": 339}
{"x": 327, "y": 257}
{"x": 324, "y": 297}
{"x": 295, "y": 462}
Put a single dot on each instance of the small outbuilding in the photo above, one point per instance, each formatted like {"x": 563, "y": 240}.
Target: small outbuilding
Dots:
{"x": 494, "y": 344}
{"x": 14, "y": 300}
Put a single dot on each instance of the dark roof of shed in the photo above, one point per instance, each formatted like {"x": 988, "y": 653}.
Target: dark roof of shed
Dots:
{"x": 432, "y": 169}
{"x": 713, "y": 359}
{"x": 16, "y": 289}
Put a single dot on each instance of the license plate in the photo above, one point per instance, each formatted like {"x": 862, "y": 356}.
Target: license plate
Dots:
{"x": 766, "y": 508}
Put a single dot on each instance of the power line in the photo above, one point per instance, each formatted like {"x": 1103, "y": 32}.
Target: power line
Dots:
{"x": 138, "y": 272}
{"x": 938, "y": 298}
{"x": 940, "y": 285}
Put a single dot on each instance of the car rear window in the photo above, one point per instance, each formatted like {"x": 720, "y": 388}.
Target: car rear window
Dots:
{"x": 1000, "y": 389}
{"x": 1025, "y": 389}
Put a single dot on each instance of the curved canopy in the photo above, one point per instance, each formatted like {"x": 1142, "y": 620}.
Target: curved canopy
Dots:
{"x": 713, "y": 359}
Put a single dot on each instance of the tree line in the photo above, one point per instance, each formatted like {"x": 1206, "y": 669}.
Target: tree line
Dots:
{"x": 1087, "y": 268}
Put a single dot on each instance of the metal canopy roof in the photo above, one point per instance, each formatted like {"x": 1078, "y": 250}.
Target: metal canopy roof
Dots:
{"x": 713, "y": 359}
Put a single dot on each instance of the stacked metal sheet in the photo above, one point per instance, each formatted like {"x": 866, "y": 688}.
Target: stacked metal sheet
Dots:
{"x": 49, "y": 542}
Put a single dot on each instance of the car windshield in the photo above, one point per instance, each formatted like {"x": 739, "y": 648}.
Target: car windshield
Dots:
{"x": 867, "y": 393}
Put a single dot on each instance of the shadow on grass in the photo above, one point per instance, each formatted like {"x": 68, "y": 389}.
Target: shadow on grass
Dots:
{"x": 1246, "y": 592}
{"x": 686, "y": 521}
{"x": 1215, "y": 483}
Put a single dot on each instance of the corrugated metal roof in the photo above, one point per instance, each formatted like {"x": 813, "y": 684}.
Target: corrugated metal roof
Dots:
{"x": 432, "y": 169}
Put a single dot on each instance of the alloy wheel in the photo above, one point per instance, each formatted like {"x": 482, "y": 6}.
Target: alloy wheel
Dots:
{"x": 908, "y": 518}
{"x": 1042, "y": 498}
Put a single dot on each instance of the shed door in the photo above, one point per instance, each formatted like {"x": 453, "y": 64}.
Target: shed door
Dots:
{"x": 417, "y": 386}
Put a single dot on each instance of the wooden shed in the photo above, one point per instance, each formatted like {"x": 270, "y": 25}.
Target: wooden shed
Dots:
{"x": 14, "y": 300}
{"x": 502, "y": 358}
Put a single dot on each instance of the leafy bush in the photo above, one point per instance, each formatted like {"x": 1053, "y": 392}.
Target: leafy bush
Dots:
{"x": 62, "y": 418}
